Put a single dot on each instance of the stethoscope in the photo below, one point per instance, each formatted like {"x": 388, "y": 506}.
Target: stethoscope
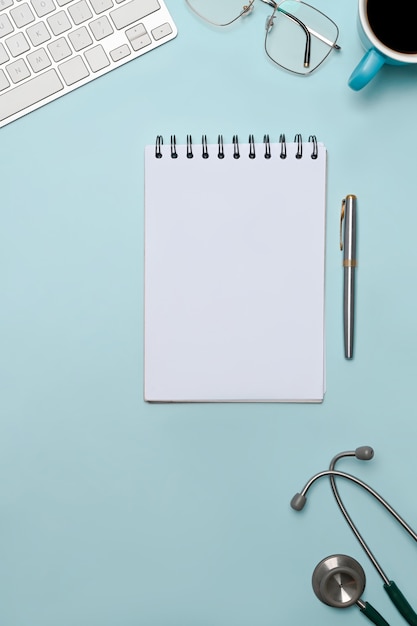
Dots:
{"x": 364, "y": 453}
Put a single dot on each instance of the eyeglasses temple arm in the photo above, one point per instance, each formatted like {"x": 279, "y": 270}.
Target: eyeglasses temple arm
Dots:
{"x": 307, "y": 49}
{"x": 324, "y": 40}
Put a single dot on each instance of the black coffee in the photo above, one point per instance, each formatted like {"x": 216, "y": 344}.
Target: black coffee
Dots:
{"x": 394, "y": 24}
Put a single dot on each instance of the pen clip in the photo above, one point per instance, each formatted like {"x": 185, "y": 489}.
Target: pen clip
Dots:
{"x": 342, "y": 217}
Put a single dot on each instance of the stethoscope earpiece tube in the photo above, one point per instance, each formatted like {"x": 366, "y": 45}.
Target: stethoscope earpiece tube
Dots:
{"x": 401, "y": 603}
{"x": 372, "y": 614}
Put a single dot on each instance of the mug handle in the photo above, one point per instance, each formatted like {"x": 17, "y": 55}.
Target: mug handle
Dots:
{"x": 366, "y": 69}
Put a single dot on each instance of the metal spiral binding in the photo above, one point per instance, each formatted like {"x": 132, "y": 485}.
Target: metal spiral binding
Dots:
{"x": 159, "y": 142}
{"x": 189, "y": 147}
{"x": 236, "y": 153}
{"x": 236, "y": 148}
{"x": 267, "y": 144}
{"x": 205, "y": 153}
{"x": 283, "y": 153}
{"x": 220, "y": 153}
{"x": 252, "y": 153}
{"x": 174, "y": 153}
{"x": 315, "y": 152}
{"x": 299, "y": 141}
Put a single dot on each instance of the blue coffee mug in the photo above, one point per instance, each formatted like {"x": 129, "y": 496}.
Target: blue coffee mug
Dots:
{"x": 377, "y": 53}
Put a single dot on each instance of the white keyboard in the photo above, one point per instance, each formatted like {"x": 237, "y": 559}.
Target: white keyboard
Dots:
{"x": 50, "y": 47}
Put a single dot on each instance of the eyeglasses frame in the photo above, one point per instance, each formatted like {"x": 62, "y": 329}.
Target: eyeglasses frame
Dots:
{"x": 246, "y": 10}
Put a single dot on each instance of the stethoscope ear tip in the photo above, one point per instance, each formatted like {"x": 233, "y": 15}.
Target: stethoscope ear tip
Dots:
{"x": 364, "y": 453}
{"x": 298, "y": 502}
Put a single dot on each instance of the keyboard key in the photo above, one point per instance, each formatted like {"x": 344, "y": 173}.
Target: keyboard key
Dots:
{"x": 17, "y": 44}
{"x": 59, "y": 23}
{"x": 73, "y": 70}
{"x": 101, "y": 28}
{"x": 29, "y": 93}
{"x": 38, "y": 34}
{"x": 80, "y": 38}
{"x": 120, "y": 53}
{"x": 97, "y": 59}
{"x": 5, "y": 4}
{"x": 22, "y": 15}
{"x": 18, "y": 71}
{"x": 80, "y": 12}
{"x": 38, "y": 60}
{"x": 132, "y": 12}
{"x": 136, "y": 31}
{"x": 59, "y": 49}
{"x": 43, "y": 7}
{"x": 162, "y": 31}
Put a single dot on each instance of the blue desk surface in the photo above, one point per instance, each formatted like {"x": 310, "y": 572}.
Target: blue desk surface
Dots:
{"x": 118, "y": 512}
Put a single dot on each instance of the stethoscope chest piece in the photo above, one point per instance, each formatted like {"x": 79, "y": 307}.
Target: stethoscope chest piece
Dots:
{"x": 339, "y": 581}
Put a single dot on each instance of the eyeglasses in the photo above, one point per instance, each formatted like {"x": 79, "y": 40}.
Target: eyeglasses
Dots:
{"x": 298, "y": 37}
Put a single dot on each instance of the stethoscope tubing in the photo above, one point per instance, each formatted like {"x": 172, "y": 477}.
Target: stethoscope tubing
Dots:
{"x": 372, "y": 614}
{"x": 349, "y": 520}
{"x": 302, "y": 496}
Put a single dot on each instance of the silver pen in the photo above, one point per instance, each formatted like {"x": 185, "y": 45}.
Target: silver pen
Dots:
{"x": 348, "y": 245}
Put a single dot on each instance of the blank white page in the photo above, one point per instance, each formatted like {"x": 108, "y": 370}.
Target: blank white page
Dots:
{"x": 234, "y": 275}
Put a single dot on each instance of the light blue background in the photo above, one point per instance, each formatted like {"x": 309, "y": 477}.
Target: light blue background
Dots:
{"x": 114, "y": 512}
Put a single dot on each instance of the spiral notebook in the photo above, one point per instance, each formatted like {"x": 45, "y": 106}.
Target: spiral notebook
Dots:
{"x": 234, "y": 270}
